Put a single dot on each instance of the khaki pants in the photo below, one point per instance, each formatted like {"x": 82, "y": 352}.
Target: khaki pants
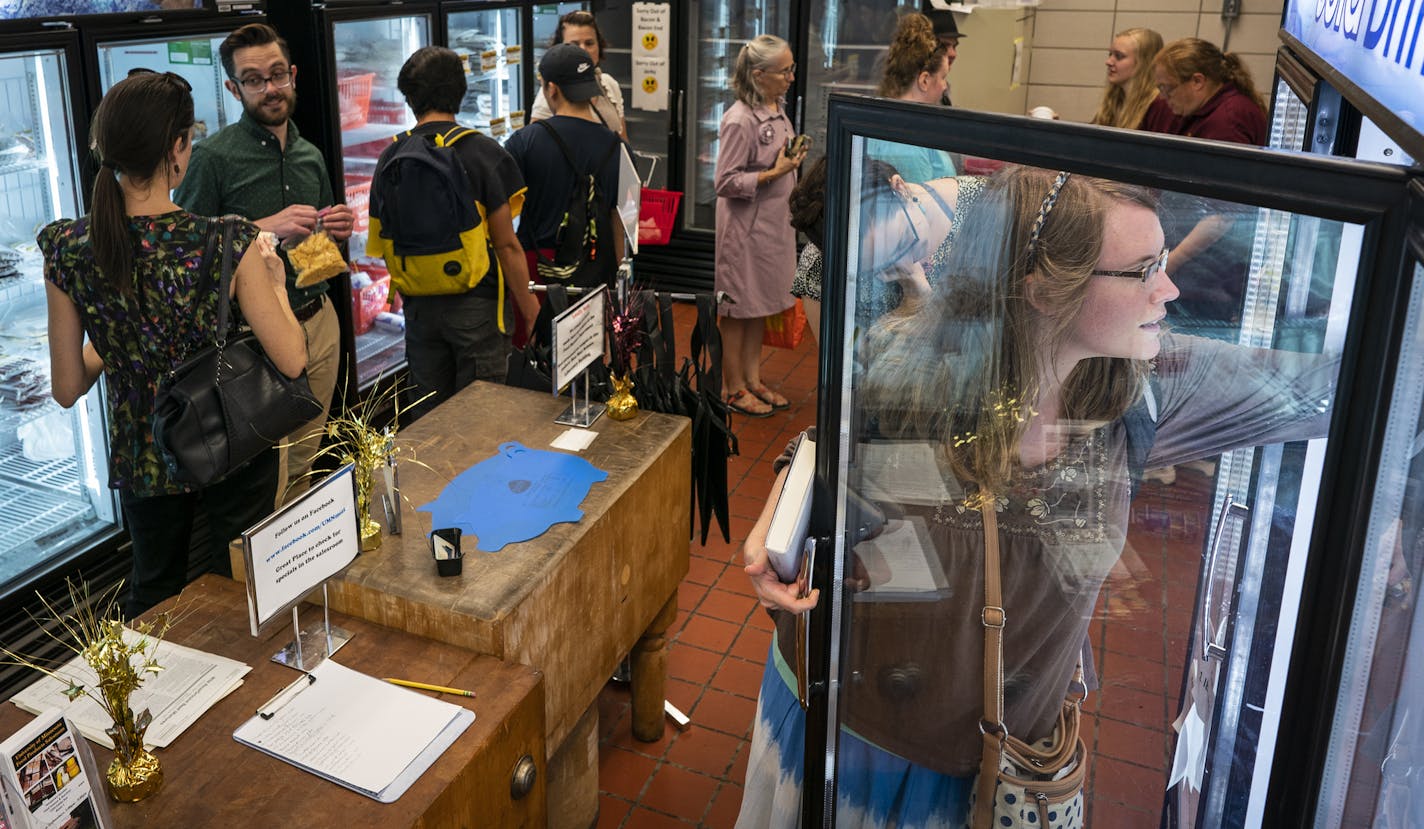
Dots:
{"x": 323, "y": 361}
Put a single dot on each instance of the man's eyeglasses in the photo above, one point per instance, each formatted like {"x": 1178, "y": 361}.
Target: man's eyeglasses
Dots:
{"x": 280, "y": 79}
{"x": 1143, "y": 273}
{"x": 172, "y": 76}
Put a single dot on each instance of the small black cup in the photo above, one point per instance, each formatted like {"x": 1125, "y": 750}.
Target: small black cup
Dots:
{"x": 445, "y": 547}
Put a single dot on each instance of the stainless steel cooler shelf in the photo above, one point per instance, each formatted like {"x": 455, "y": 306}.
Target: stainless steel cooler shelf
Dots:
{"x": 27, "y": 514}
{"x": 51, "y": 476}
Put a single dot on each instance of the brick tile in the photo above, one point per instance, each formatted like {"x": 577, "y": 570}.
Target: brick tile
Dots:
{"x": 682, "y": 694}
{"x": 679, "y": 792}
{"x": 738, "y": 774}
{"x": 613, "y": 707}
{"x": 1132, "y": 642}
{"x": 689, "y": 595}
{"x": 744, "y": 506}
{"x": 704, "y": 751}
{"x": 1104, "y": 812}
{"x": 756, "y": 486}
{"x": 740, "y": 677}
{"x": 1133, "y": 706}
{"x": 645, "y": 819}
{"x": 1123, "y": 671}
{"x": 735, "y": 580}
{"x": 703, "y": 571}
{"x": 1129, "y": 784}
{"x": 611, "y": 811}
{"x": 692, "y": 663}
{"x": 726, "y": 605}
{"x": 725, "y": 712}
{"x": 753, "y": 644}
{"x": 1133, "y": 743}
{"x": 725, "y": 805}
{"x": 623, "y": 773}
{"x": 706, "y": 632}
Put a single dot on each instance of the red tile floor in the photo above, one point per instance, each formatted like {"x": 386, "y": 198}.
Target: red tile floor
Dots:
{"x": 720, "y": 639}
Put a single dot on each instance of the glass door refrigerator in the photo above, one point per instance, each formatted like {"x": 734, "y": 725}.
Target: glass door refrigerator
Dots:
{"x": 54, "y": 494}
{"x": 354, "y": 111}
{"x": 185, "y": 46}
{"x": 490, "y": 41}
{"x": 1206, "y": 585}
{"x": 717, "y": 31}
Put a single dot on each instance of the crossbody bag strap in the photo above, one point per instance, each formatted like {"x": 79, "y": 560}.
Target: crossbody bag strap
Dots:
{"x": 991, "y": 726}
{"x": 225, "y": 283}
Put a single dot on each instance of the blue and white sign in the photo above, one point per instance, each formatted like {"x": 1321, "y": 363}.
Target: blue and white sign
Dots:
{"x": 1374, "y": 43}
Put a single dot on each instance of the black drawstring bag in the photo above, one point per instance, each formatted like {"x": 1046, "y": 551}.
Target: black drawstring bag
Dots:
{"x": 226, "y": 404}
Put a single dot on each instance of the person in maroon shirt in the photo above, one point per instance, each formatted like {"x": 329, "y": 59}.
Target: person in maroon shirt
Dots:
{"x": 1205, "y": 94}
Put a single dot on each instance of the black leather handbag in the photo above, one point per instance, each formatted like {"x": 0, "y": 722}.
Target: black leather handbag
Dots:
{"x": 227, "y": 403}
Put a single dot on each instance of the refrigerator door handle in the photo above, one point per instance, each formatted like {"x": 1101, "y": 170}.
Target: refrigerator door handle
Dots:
{"x": 677, "y": 118}
{"x": 57, "y": 24}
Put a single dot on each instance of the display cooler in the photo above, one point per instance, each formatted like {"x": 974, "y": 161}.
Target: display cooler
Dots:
{"x": 53, "y": 474}
{"x": 1251, "y": 642}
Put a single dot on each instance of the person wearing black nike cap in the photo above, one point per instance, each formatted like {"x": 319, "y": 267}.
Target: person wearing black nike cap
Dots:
{"x": 569, "y": 84}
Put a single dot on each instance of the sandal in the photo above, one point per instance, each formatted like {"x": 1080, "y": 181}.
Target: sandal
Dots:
{"x": 768, "y": 396}
{"x": 732, "y": 398}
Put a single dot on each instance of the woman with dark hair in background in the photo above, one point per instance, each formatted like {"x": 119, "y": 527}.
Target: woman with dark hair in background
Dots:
{"x": 138, "y": 277}
{"x": 1132, "y": 88}
{"x": 1207, "y": 94}
{"x": 580, "y": 29}
{"x": 756, "y": 255}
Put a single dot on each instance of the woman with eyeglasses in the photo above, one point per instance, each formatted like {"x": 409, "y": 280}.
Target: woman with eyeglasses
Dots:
{"x": 132, "y": 291}
{"x": 1209, "y": 94}
{"x": 1035, "y": 384}
{"x": 581, "y": 29}
{"x": 755, "y": 248}
{"x": 1131, "y": 87}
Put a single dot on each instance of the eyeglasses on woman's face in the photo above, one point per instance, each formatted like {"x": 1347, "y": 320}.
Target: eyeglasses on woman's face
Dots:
{"x": 788, "y": 73}
{"x": 1143, "y": 273}
{"x": 172, "y": 76}
{"x": 280, "y": 79}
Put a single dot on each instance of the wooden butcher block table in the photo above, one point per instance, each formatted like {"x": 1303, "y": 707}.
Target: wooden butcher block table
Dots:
{"x": 571, "y": 602}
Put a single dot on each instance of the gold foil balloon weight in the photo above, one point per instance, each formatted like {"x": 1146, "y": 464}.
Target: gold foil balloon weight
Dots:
{"x": 135, "y": 772}
{"x": 622, "y": 405}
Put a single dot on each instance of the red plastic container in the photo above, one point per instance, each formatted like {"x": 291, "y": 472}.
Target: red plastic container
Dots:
{"x": 657, "y": 214}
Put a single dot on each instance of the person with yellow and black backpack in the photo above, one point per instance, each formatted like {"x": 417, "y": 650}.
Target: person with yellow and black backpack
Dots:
{"x": 443, "y": 203}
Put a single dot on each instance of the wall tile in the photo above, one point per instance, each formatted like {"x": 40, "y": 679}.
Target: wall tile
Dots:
{"x": 1088, "y": 5}
{"x": 1073, "y": 29}
{"x": 1067, "y": 67}
{"x": 1251, "y": 33}
{"x": 1170, "y": 25}
{"x": 1072, "y": 103}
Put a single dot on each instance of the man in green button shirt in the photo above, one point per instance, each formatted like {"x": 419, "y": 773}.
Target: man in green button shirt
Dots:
{"x": 261, "y": 169}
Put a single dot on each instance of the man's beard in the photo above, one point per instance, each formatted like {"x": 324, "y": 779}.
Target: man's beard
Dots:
{"x": 256, "y": 112}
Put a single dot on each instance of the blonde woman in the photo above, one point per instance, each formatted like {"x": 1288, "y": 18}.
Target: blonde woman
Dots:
{"x": 1131, "y": 89}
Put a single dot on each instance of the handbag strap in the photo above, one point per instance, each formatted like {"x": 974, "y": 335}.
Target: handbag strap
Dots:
{"x": 991, "y": 725}
{"x": 992, "y": 617}
{"x": 225, "y": 283}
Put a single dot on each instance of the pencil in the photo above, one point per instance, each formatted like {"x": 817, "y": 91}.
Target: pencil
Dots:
{"x": 439, "y": 689}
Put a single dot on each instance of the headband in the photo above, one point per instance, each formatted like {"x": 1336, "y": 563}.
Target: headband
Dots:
{"x": 1043, "y": 211}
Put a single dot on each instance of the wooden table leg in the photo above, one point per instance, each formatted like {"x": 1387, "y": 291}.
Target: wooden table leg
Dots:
{"x": 648, "y": 665}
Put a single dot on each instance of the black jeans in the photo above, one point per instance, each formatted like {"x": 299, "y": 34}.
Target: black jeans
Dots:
{"x": 452, "y": 341}
{"x": 161, "y": 527}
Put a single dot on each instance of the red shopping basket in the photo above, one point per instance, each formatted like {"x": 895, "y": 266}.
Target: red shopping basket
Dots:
{"x": 657, "y": 215}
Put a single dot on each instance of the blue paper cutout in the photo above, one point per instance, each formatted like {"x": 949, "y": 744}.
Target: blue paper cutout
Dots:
{"x": 515, "y": 495}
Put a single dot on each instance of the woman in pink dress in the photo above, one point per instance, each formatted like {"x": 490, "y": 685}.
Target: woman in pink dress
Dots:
{"x": 756, "y": 247}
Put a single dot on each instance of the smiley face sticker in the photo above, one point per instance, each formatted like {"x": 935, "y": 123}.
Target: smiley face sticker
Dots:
{"x": 650, "y": 84}
{"x": 650, "y": 41}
